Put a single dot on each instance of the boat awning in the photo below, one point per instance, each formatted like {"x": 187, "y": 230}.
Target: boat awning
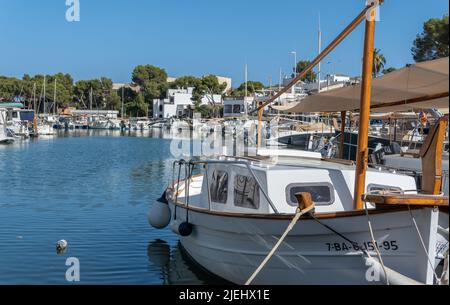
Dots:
{"x": 419, "y": 86}
{"x": 11, "y": 105}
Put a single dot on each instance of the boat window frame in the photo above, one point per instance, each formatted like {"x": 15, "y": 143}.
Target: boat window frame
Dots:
{"x": 257, "y": 205}
{"x": 384, "y": 188}
{"x": 211, "y": 185}
{"x": 310, "y": 184}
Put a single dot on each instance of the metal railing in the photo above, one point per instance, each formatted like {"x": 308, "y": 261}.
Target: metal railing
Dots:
{"x": 189, "y": 167}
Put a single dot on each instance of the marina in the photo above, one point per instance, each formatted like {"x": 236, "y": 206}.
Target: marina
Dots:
{"x": 321, "y": 179}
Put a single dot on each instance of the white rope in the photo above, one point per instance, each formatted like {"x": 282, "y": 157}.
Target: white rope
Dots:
{"x": 372, "y": 235}
{"x": 423, "y": 245}
{"x": 298, "y": 214}
{"x": 444, "y": 276}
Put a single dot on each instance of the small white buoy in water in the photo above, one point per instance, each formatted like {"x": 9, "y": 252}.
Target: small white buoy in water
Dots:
{"x": 61, "y": 246}
{"x": 159, "y": 215}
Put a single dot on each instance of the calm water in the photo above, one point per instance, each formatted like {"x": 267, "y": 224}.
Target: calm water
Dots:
{"x": 94, "y": 190}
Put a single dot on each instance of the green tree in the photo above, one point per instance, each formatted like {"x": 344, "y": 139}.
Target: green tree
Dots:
{"x": 26, "y": 87}
{"x": 143, "y": 74}
{"x": 432, "y": 43}
{"x": 137, "y": 107}
{"x": 103, "y": 95}
{"x": 311, "y": 76}
{"x": 378, "y": 62}
{"x": 153, "y": 81}
{"x": 252, "y": 87}
{"x": 208, "y": 87}
{"x": 185, "y": 82}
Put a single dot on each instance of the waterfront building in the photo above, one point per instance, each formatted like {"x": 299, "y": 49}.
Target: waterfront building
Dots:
{"x": 178, "y": 103}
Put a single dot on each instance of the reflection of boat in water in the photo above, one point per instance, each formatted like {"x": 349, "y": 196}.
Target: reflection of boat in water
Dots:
{"x": 176, "y": 267}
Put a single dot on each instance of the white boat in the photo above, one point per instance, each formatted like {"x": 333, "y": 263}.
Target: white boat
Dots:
{"x": 4, "y": 137}
{"x": 140, "y": 125}
{"x": 295, "y": 218}
{"x": 44, "y": 129}
{"x": 98, "y": 123}
{"x": 234, "y": 219}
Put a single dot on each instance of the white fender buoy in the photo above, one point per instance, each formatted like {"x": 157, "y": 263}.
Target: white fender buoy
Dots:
{"x": 61, "y": 246}
{"x": 159, "y": 215}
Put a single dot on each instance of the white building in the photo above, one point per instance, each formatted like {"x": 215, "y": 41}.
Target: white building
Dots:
{"x": 237, "y": 107}
{"x": 178, "y": 103}
{"x": 332, "y": 81}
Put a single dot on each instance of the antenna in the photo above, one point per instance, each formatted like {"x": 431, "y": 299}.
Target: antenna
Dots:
{"x": 54, "y": 99}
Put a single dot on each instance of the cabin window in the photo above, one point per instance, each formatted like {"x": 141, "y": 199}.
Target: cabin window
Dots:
{"x": 379, "y": 188}
{"x": 246, "y": 192}
{"x": 236, "y": 108}
{"x": 219, "y": 187}
{"x": 321, "y": 193}
{"x": 228, "y": 109}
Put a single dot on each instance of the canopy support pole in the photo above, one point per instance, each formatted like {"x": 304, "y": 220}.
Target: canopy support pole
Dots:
{"x": 364, "y": 116}
{"x": 260, "y": 117}
{"x": 342, "y": 143}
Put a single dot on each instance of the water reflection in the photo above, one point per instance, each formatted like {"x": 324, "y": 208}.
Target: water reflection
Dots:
{"x": 176, "y": 267}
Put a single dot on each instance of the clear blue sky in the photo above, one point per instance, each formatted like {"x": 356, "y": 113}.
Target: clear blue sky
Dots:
{"x": 197, "y": 37}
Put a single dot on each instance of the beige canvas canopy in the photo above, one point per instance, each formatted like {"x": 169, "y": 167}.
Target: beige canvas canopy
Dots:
{"x": 419, "y": 86}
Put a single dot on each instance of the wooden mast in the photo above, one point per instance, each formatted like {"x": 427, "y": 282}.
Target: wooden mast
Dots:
{"x": 349, "y": 29}
{"x": 364, "y": 116}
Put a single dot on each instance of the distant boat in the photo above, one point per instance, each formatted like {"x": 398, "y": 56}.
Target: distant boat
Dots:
{"x": 4, "y": 137}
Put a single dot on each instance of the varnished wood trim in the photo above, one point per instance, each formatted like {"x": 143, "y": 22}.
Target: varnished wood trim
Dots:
{"x": 328, "y": 215}
{"x": 416, "y": 200}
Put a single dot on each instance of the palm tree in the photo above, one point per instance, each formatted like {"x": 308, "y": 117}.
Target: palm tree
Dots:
{"x": 378, "y": 62}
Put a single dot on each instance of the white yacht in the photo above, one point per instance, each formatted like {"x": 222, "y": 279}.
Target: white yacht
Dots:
{"x": 4, "y": 137}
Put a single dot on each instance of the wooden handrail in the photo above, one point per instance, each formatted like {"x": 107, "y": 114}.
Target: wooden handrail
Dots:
{"x": 412, "y": 200}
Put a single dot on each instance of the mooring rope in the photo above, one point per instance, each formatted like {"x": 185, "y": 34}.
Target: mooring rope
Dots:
{"x": 372, "y": 235}
{"x": 423, "y": 246}
{"x": 291, "y": 225}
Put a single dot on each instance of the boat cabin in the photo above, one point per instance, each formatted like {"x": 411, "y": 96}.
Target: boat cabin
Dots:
{"x": 239, "y": 187}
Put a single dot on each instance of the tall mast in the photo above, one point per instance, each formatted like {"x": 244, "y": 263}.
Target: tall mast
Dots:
{"x": 364, "y": 115}
{"x": 350, "y": 28}
{"x": 54, "y": 99}
{"x": 34, "y": 97}
{"x": 319, "y": 51}
{"x": 246, "y": 80}
{"x": 90, "y": 99}
{"x": 35, "y": 109}
{"x": 45, "y": 105}
{"x": 279, "y": 84}
{"x": 122, "y": 102}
